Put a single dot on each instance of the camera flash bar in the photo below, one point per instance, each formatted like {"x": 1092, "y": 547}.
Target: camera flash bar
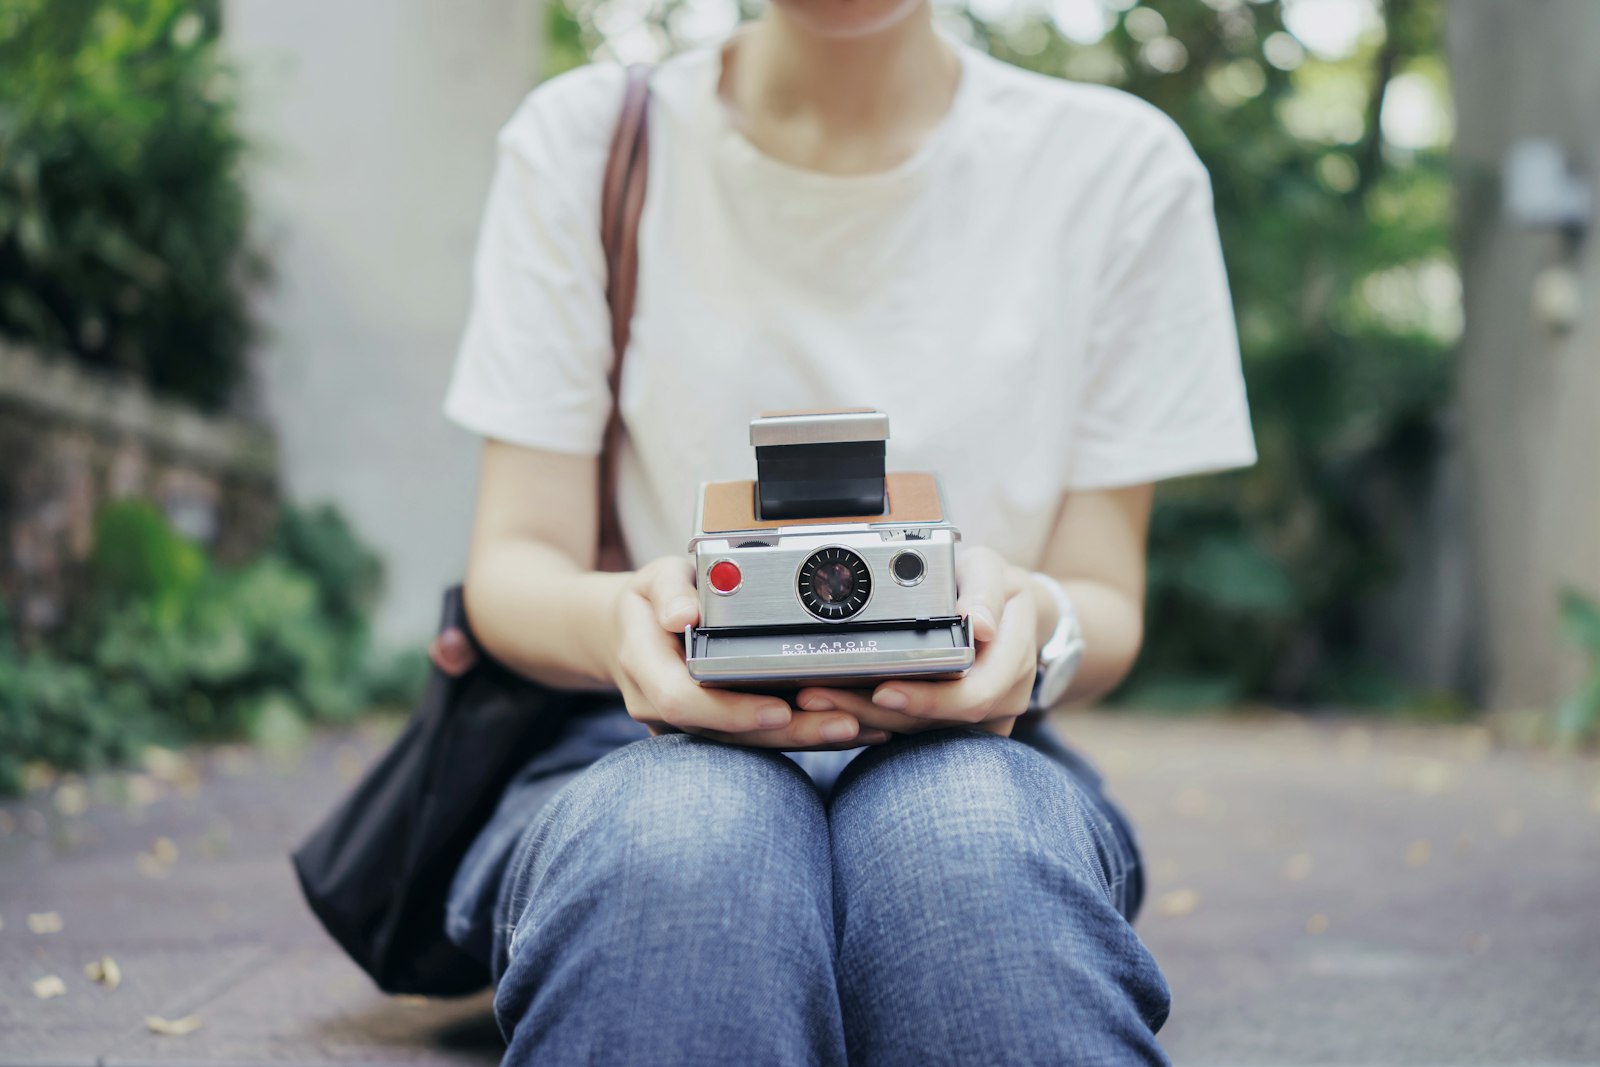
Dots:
{"x": 811, "y": 464}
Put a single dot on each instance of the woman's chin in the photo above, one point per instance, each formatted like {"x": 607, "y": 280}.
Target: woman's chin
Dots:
{"x": 848, "y": 19}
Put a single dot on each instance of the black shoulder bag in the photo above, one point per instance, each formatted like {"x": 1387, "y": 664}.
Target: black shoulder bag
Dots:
{"x": 378, "y": 869}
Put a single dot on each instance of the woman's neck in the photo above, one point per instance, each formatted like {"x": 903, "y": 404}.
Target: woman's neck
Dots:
{"x": 839, "y": 104}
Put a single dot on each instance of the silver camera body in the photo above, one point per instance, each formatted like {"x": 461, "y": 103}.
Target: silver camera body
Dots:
{"x": 853, "y": 584}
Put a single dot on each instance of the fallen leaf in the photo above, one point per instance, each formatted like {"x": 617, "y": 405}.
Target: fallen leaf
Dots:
{"x": 1417, "y": 853}
{"x": 411, "y": 1000}
{"x": 49, "y": 986}
{"x": 1317, "y": 924}
{"x": 37, "y": 775}
{"x": 143, "y": 790}
{"x": 157, "y": 861}
{"x": 8, "y": 825}
{"x": 105, "y": 971}
{"x": 1509, "y": 822}
{"x": 172, "y": 768}
{"x": 72, "y": 798}
{"x": 173, "y": 1027}
{"x": 165, "y": 764}
{"x": 1298, "y": 869}
{"x": 1478, "y": 943}
{"x": 44, "y": 922}
{"x": 165, "y": 850}
{"x": 1178, "y": 902}
{"x": 1432, "y": 778}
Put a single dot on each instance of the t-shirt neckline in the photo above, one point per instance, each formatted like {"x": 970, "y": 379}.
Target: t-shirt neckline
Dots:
{"x": 729, "y": 138}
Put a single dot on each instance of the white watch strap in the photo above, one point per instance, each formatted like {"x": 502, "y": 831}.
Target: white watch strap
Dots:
{"x": 1058, "y": 658}
{"x": 1066, "y": 617}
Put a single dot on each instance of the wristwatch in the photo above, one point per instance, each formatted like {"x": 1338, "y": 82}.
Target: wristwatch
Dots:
{"x": 1061, "y": 654}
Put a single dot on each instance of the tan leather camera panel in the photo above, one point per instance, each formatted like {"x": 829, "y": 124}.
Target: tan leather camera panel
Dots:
{"x": 730, "y": 506}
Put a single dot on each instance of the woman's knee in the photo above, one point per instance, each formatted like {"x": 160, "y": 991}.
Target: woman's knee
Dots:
{"x": 672, "y": 815}
{"x": 969, "y": 847}
{"x": 967, "y": 801}
{"x": 680, "y": 873}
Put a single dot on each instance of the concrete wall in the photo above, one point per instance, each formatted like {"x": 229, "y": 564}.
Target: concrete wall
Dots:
{"x": 72, "y": 442}
{"x": 1530, "y": 394}
{"x": 375, "y": 121}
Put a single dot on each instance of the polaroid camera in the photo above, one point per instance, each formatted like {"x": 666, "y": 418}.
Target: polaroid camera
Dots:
{"x": 825, "y": 569}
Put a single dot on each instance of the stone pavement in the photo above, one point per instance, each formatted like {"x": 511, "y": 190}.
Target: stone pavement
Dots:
{"x": 1332, "y": 892}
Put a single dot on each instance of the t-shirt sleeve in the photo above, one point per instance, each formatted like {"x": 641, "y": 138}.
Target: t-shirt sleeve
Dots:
{"x": 1164, "y": 394}
{"x": 533, "y": 363}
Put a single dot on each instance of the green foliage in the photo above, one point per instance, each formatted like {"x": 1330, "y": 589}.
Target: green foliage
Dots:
{"x": 178, "y": 649}
{"x": 122, "y": 206}
{"x": 347, "y": 574}
{"x": 58, "y": 711}
{"x": 568, "y": 41}
{"x": 1578, "y": 717}
{"x": 137, "y": 556}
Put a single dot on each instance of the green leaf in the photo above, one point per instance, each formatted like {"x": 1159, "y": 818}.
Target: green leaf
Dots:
{"x": 1580, "y": 622}
{"x": 137, "y": 554}
{"x": 1579, "y": 714}
{"x": 1234, "y": 574}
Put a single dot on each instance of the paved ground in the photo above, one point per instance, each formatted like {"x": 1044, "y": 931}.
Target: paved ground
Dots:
{"x": 1332, "y": 893}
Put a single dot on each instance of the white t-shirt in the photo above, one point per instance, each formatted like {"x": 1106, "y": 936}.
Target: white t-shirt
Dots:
{"x": 1037, "y": 298}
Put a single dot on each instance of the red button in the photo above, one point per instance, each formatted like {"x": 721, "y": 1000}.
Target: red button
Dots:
{"x": 725, "y": 576}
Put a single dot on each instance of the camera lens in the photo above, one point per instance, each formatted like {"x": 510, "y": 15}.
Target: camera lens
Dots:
{"x": 834, "y": 583}
{"x": 908, "y": 567}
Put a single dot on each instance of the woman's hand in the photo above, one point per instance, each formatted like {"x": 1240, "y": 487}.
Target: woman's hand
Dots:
{"x": 653, "y": 609}
{"x": 997, "y": 599}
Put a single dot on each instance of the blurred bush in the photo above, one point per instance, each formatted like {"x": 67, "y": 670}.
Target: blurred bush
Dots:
{"x": 1337, "y": 239}
{"x": 122, "y": 204}
{"x": 168, "y": 648}
{"x": 1578, "y": 717}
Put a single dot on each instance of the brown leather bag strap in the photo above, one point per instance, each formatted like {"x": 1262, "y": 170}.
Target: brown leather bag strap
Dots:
{"x": 621, "y": 203}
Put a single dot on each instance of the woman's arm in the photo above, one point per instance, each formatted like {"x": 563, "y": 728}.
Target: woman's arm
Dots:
{"x": 535, "y": 601}
{"x": 538, "y": 606}
{"x": 1097, "y": 552}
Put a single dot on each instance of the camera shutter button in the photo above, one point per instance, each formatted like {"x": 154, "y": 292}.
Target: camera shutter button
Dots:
{"x": 725, "y": 577}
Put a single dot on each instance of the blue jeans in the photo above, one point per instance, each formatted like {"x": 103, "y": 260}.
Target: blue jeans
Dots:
{"x": 954, "y": 897}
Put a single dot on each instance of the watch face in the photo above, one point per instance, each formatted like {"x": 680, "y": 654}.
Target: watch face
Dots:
{"x": 1055, "y": 677}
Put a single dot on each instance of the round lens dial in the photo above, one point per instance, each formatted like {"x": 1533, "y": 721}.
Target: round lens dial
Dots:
{"x": 834, "y": 583}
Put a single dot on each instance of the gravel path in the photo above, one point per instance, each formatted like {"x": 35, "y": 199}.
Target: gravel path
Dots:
{"x": 1323, "y": 893}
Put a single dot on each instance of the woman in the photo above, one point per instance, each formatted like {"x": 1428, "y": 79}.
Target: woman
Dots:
{"x": 844, "y": 207}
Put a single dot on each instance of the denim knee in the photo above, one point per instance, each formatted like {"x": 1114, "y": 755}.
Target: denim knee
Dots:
{"x": 673, "y": 817}
{"x": 973, "y": 872}
{"x": 674, "y": 904}
{"x": 982, "y": 800}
